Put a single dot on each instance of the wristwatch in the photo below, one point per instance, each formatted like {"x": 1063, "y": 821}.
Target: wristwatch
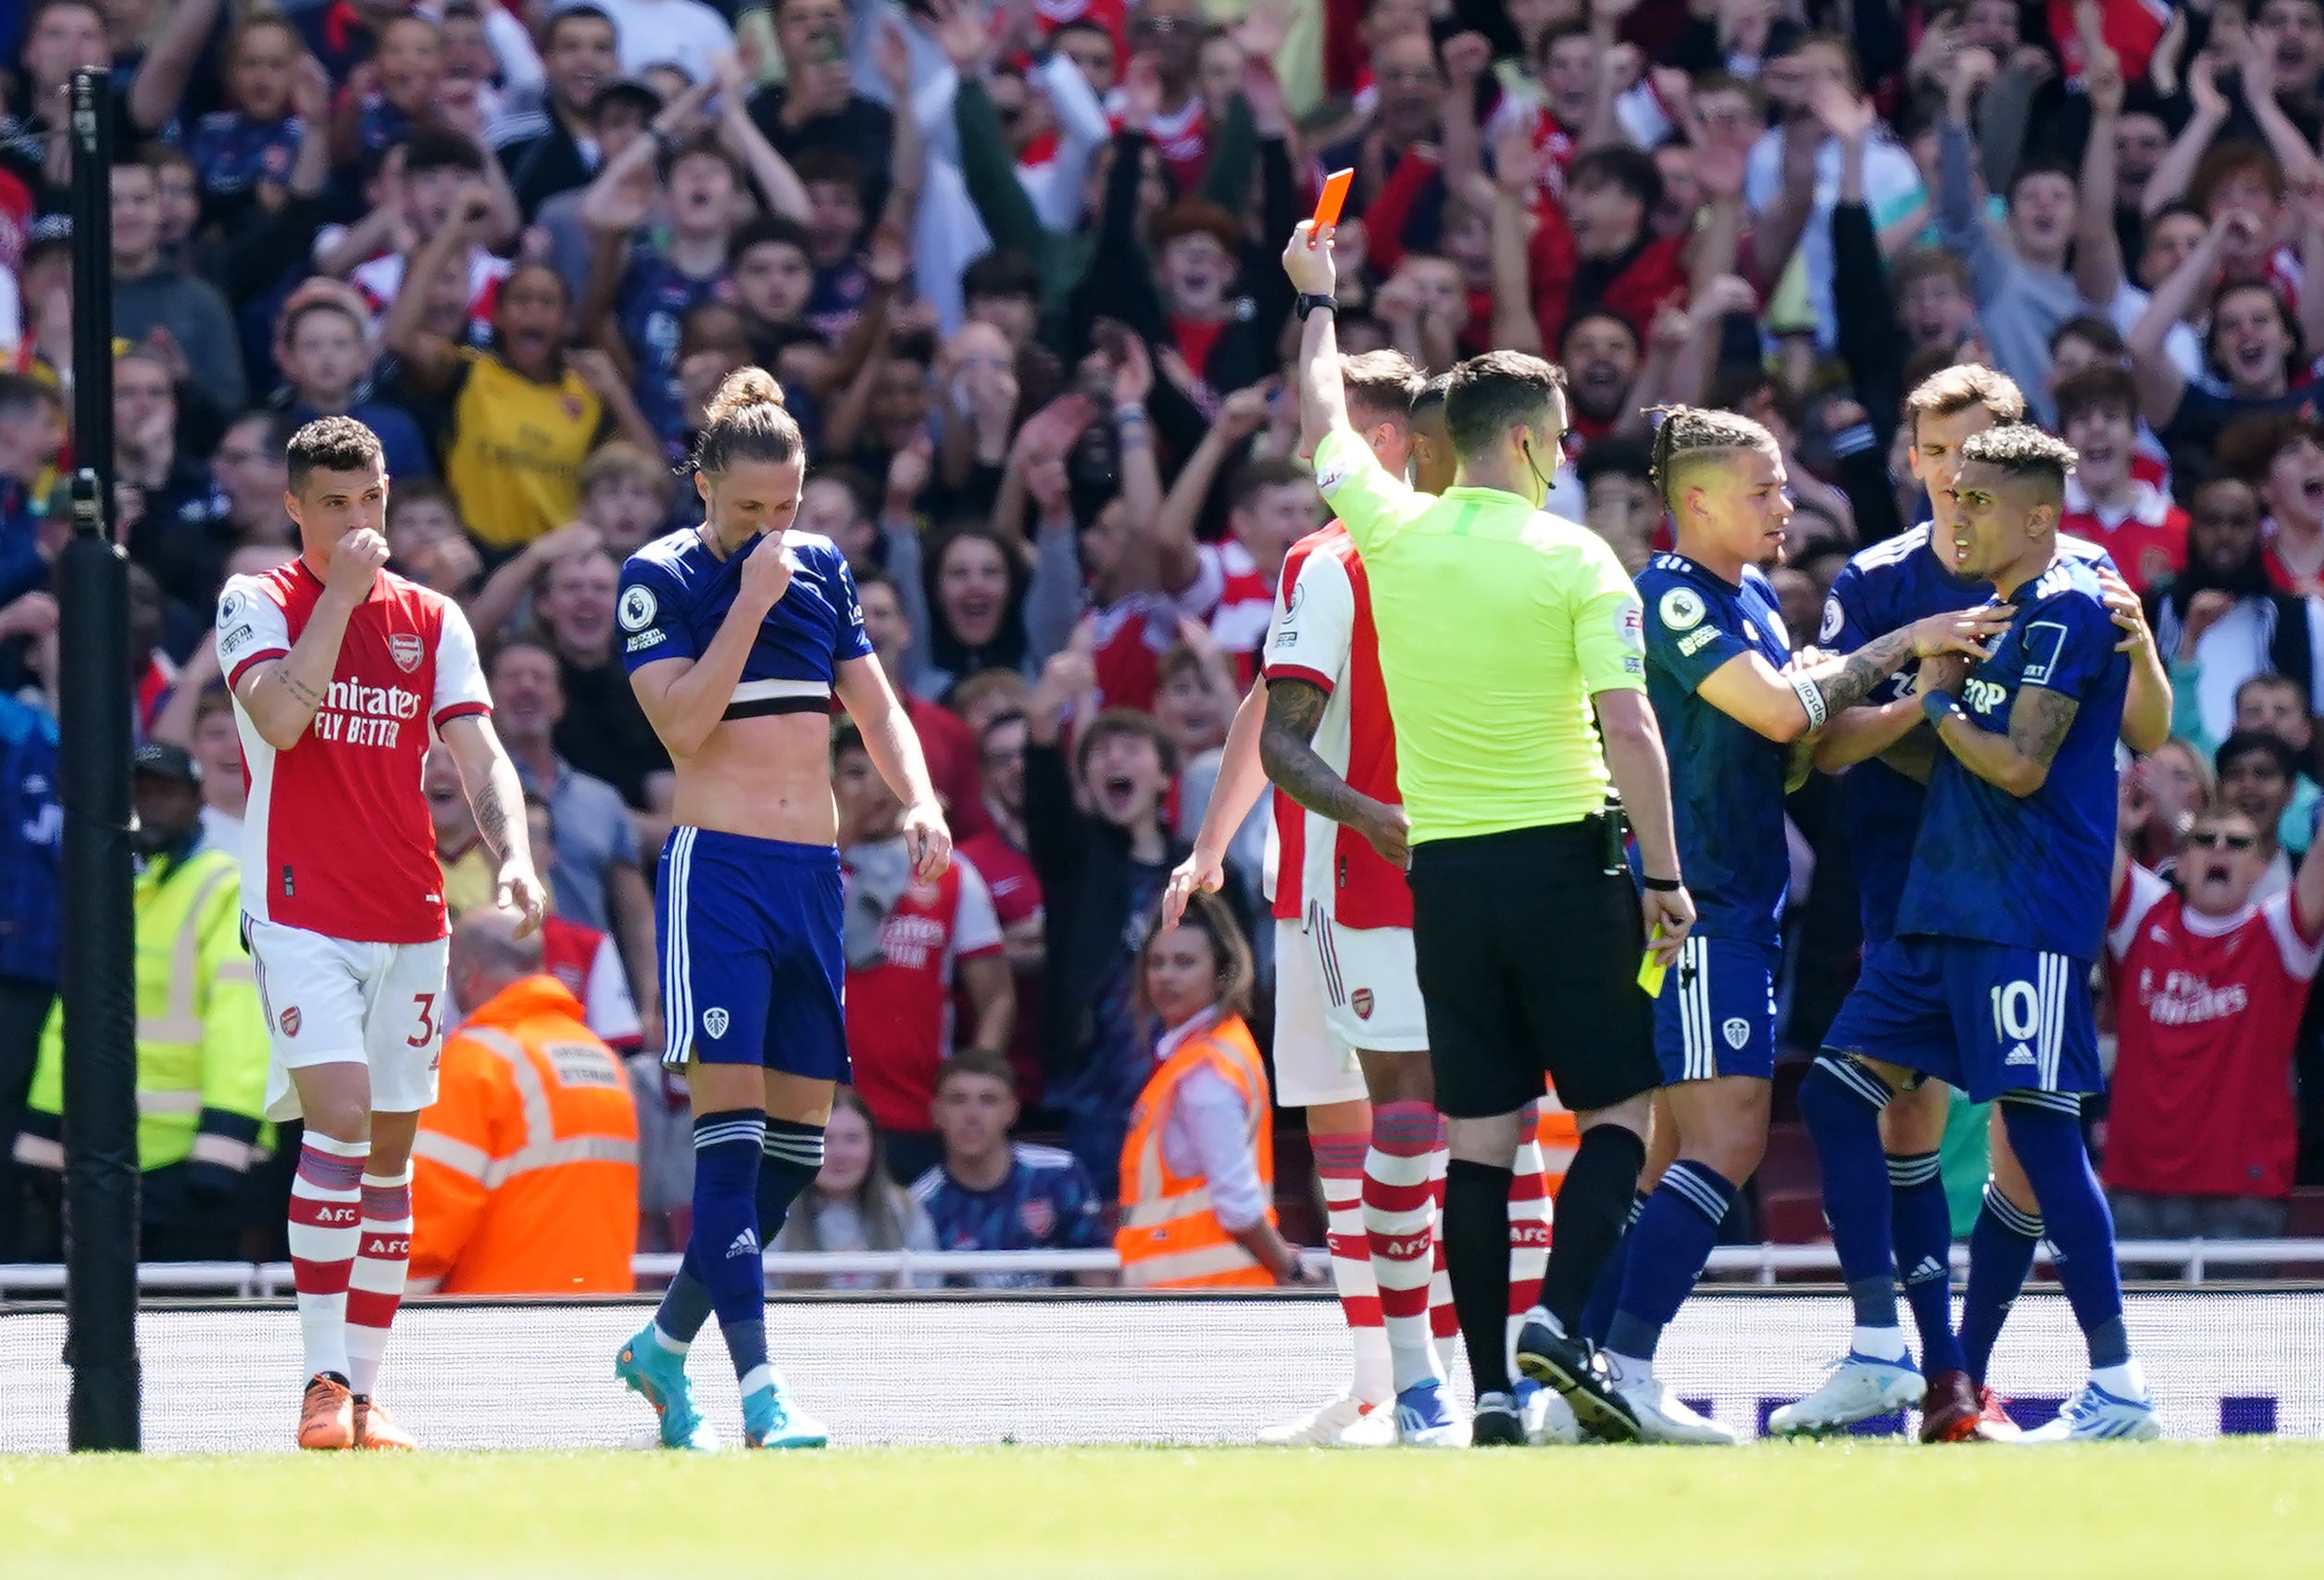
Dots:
{"x": 1936, "y": 705}
{"x": 1305, "y": 303}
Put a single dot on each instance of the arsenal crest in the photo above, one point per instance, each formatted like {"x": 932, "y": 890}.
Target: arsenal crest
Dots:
{"x": 1039, "y": 1215}
{"x": 403, "y": 647}
{"x": 290, "y": 1022}
{"x": 1361, "y": 1002}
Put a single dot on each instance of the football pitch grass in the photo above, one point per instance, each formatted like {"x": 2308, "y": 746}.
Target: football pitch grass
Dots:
{"x": 2241, "y": 1507}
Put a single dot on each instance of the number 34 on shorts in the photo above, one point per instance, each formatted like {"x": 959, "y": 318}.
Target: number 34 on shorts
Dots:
{"x": 336, "y": 1001}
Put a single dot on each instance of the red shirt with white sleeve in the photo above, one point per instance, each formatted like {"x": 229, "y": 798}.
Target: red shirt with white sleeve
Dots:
{"x": 899, "y": 1012}
{"x": 586, "y": 962}
{"x": 2207, "y": 1012}
{"x": 335, "y": 837}
{"x": 1324, "y": 635}
{"x": 2148, "y": 540}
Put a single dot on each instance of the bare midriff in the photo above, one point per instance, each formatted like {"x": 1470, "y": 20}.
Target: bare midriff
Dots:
{"x": 769, "y": 778}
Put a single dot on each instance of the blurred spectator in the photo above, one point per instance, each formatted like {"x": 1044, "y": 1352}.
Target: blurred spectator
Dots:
{"x": 551, "y": 149}
{"x": 1101, "y": 872}
{"x": 582, "y": 957}
{"x": 945, "y": 740}
{"x": 909, "y": 946}
{"x": 603, "y": 731}
{"x": 2178, "y": 780}
{"x": 29, "y": 919}
{"x": 991, "y": 1194}
{"x": 2256, "y": 771}
{"x": 163, "y": 499}
{"x": 1001, "y": 858}
{"x": 2221, "y": 621}
{"x": 522, "y": 415}
{"x": 326, "y": 358}
{"x": 200, "y": 1033}
{"x": 856, "y": 1204}
{"x": 1199, "y": 1168}
{"x": 216, "y": 746}
{"x": 525, "y": 1170}
{"x": 2210, "y": 979}
{"x": 2105, "y": 500}
{"x": 180, "y": 317}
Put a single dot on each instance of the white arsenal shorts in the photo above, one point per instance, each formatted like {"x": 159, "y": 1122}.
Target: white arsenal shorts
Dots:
{"x": 330, "y": 1001}
{"x": 1338, "y": 989}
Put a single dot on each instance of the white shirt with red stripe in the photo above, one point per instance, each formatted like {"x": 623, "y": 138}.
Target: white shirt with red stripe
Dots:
{"x": 381, "y": 278}
{"x": 2206, "y": 1015}
{"x": 1324, "y": 635}
{"x": 2147, "y": 539}
{"x": 335, "y": 836}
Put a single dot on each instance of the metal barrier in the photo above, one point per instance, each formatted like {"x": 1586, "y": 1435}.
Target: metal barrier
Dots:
{"x": 2199, "y": 1262}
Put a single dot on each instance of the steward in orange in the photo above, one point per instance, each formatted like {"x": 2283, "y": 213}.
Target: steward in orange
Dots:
{"x": 525, "y": 1170}
{"x": 1198, "y": 1169}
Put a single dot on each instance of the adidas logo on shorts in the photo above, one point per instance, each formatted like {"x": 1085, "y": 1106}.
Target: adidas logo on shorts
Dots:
{"x": 745, "y": 1244}
{"x": 2020, "y": 1055}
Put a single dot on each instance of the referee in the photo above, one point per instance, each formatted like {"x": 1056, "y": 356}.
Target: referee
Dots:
{"x": 1512, "y": 647}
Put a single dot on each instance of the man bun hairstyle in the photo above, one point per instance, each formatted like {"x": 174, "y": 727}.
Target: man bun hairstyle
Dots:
{"x": 333, "y": 443}
{"x": 2021, "y": 450}
{"x": 746, "y": 421}
{"x": 1691, "y": 434}
{"x": 1487, "y": 396}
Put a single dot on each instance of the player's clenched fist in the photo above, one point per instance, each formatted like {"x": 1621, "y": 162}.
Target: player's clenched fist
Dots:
{"x": 356, "y": 560}
{"x": 1964, "y": 630}
{"x": 766, "y": 573}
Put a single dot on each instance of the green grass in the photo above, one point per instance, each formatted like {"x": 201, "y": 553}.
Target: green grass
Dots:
{"x": 2240, "y": 1508}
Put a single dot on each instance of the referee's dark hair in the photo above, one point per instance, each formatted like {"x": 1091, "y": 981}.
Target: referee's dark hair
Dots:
{"x": 1487, "y": 396}
{"x": 1232, "y": 971}
{"x": 1690, "y": 436}
{"x": 2020, "y": 450}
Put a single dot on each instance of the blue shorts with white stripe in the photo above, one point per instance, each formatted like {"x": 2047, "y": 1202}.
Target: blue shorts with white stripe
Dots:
{"x": 1988, "y": 1018}
{"x": 752, "y": 965}
{"x": 1716, "y": 1013}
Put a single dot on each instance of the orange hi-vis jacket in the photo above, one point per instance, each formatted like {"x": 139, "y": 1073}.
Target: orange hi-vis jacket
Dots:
{"x": 1170, "y": 1238}
{"x": 525, "y": 1170}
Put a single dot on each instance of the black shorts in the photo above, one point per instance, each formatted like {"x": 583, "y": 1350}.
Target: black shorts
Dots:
{"x": 1527, "y": 951}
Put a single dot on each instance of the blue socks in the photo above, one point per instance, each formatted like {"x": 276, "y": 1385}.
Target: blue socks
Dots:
{"x": 1922, "y": 1224}
{"x": 2046, "y": 1133}
{"x": 1668, "y": 1248}
{"x": 1606, "y": 1293}
{"x": 723, "y": 1250}
{"x": 789, "y": 1158}
{"x": 1841, "y": 1101}
{"x": 2001, "y": 1255}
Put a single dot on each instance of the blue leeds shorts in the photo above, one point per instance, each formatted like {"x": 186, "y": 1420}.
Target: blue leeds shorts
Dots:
{"x": 754, "y": 970}
{"x": 1987, "y": 1017}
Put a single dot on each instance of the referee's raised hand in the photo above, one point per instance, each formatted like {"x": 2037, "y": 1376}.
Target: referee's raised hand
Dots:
{"x": 1308, "y": 259}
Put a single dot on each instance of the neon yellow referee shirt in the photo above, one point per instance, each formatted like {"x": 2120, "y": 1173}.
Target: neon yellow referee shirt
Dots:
{"x": 1497, "y": 624}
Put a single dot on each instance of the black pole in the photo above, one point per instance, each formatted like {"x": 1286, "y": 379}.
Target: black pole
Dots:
{"x": 100, "y": 995}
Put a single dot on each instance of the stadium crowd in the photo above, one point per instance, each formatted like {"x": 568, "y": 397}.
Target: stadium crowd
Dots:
{"x": 1015, "y": 269}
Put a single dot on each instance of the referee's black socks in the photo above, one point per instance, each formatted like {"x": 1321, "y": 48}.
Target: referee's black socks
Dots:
{"x": 1592, "y": 1209}
{"x": 1477, "y": 1263}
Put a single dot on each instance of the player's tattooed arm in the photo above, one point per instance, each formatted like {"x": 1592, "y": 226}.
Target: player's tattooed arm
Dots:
{"x": 491, "y": 819}
{"x": 1849, "y": 681}
{"x": 2018, "y": 761}
{"x": 1287, "y": 751}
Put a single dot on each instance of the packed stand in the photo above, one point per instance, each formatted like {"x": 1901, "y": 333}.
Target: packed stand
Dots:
{"x": 1015, "y": 270}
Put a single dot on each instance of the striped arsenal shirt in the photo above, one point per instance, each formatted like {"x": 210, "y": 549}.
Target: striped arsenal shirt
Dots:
{"x": 1323, "y": 635}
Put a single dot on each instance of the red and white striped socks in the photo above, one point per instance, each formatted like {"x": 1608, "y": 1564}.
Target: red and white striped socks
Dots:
{"x": 1340, "y": 1165}
{"x": 1444, "y": 1320}
{"x": 326, "y": 1228}
{"x": 1399, "y": 1212}
{"x": 375, "y": 1286}
{"x": 1528, "y": 1225}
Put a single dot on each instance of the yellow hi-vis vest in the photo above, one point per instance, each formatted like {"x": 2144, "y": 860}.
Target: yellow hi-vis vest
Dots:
{"x": 201, "y": 1036}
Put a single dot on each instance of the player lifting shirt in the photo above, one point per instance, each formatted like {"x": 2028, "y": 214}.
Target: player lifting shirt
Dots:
{"x": 737, "y": 635}
{"x": 340, "y": 671}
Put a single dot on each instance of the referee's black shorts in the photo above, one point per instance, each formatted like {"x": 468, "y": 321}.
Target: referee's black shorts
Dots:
{"x": 1528, "y": 952}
